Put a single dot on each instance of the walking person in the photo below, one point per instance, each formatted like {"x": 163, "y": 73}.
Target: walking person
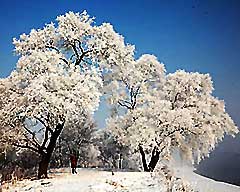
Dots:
{"x": 73, "y": 160}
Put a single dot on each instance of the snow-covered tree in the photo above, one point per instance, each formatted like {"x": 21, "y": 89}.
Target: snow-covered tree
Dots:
{"x": 170, "y": 182}
{"x": 78, "y": 41}
{"x": 49, "y": 95}
{"x": 109, "y": 148}
{"x": 131, "y": 90}
{"x": 77, "y": 137}
{"x": 56, "y": 80}
{"x": 129, "y": 85}
{"x": 181, "y": 114}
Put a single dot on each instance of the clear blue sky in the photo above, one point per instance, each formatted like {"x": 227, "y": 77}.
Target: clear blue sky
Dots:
{"x": 185, "y": 34}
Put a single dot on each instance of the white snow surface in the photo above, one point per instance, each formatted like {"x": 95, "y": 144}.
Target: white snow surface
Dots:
{"x": 93, "y": 180}
{"x": 204, "y": 184}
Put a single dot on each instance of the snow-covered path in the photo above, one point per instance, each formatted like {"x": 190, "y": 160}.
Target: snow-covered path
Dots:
{"x": 88, "y": 180}
{"x": 91, "y": 180}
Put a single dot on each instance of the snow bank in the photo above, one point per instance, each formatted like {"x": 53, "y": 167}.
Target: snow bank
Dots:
{"x": 204, "y": 184}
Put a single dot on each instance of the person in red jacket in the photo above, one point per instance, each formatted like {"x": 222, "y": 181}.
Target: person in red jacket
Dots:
{"x": 73, "y": 160}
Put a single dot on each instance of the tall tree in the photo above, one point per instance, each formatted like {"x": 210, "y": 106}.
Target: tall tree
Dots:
{"x": 47, "y": 93}
{"x": 180, "y": 113}
{"x": 56, "y": 80}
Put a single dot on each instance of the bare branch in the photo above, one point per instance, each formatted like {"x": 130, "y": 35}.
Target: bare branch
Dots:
{"x": 64, "y": 60}
{"x": 74, "y": 48}
{"x": 79, "y": 45}
{"x": 34, "y": 141}
{"x": 45, "y": 138}
{"x": 126, "y": 83}
{"x": 41, "y": 121}
{"x": 124, "y": 105}
{"x": 125, "y": 101}
{"x": 52, "y": 47}
{"x": 80, "y": 59}
{"x": 175, "y": 100}
{"x": 26, "y": 147}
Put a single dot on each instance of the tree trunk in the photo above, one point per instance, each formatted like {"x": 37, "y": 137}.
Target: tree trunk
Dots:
{"x": 144, "y": 162}
{"x": 46, "y": 157}
{"x": 154, "y": 159}
{"x": 43, "y": 166}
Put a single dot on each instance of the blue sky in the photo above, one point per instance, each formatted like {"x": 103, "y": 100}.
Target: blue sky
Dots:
{"x": 184, "y": 34}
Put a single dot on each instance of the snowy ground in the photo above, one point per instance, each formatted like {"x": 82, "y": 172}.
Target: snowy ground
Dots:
{"x": 91, "y": 180}
{"x": 204, "y": 184}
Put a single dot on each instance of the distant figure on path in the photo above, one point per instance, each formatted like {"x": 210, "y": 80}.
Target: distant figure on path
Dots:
{"x": 73, "y": 160}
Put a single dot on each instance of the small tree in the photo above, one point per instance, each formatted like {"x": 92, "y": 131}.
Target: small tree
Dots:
{"x": 78, "y": 137}
{"x": 109, "y": 148}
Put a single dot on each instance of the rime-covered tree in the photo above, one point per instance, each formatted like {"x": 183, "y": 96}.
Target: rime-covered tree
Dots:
{"x": 56, "y": 80}
{"x": 130, "y": 91}
{"x": 109, "y": 148}
{"x": 78, "y": 137}
{"x": 51, "y": 99}
{"x": 181, "y": 113}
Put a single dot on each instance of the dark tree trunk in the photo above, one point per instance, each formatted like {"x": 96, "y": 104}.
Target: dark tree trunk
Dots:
{"x": 43, "y": 165}
{"x": 46, "y": 157}
{"x": 154, "y": 159}
{"x": 144, "y": 162}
